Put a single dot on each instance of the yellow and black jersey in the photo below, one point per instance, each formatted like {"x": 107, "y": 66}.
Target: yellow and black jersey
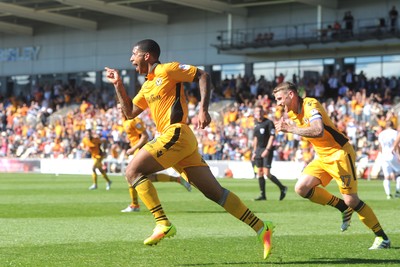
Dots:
{"x": 332, "y": 139}
{"x": 163, "y": 94}
{"x": 134, "y": 128}
{"x": 93, "y": 145}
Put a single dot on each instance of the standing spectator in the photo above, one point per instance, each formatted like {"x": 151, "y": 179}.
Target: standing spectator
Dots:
{"x": 389, "y": 160}
{"x": 393, "y": 14}
{"x": 348, "y": 79}
{"x": 333, "y": 83}
{"x": 337, "y": 29}
{"x": 349, "y": 23}
{"x": 263, "y": 152}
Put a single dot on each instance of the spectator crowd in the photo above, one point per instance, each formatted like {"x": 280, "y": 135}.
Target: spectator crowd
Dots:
{"x": 50, "y": 122}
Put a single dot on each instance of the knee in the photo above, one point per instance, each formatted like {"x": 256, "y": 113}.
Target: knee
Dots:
{"x": 131, "y": 175}
{"x": 301, "y": 189}
{"x": 351, "y": 200}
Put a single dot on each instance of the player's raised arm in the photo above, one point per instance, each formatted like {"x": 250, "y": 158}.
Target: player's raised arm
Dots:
{"x": 204, "y": 117}
{"x": 127, "y": 107}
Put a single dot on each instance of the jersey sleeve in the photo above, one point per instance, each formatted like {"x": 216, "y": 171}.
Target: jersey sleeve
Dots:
{"x": 312, "y": 110}
{"x": 271, "y": 128}
{"x": 182, "y": 72}
{"x": 138, "y": 125}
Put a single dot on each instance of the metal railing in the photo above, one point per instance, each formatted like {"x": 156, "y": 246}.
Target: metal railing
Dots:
{"x": 287, "y": 35}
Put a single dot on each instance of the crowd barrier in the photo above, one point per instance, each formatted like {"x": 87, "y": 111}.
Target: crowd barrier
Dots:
{"x": 220, "y": 168}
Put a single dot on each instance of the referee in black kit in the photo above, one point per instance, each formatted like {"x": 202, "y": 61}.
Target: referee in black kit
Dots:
{"x": 263, "y": 152}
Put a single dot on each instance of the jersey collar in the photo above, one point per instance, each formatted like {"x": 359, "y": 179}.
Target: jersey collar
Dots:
{"x": 150, "y": 75}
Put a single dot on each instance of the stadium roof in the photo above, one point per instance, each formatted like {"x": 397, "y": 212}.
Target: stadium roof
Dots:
{"x": 24, "y": 17}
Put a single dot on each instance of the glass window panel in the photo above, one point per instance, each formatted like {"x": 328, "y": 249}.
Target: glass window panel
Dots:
{"x": 288, "y": 72}
{"x": 216, "y": 67}
{"x": 89, "y": 77}
{"x": 232, "y": 69}
{"x": 391, "y": 58}
{"x": 390, "y": 69}
{"x": 292, "y": 63}
{"x": 318, "y": 69}
{"x": 370, "y": 69}
{"x": 268, "y": 73}
{"x": 311, "y": 62}
{"x": 368, "y": 59}
{"x": 263, "y": 65}
{"x": 329, "y": 61}
{"x": 349, "y": 60}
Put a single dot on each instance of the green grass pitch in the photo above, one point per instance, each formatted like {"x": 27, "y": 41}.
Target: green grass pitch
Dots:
{"x": 48, "y": 220}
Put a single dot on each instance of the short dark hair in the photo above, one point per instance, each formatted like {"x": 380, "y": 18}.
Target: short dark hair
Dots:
{"x": 149, "y": 46}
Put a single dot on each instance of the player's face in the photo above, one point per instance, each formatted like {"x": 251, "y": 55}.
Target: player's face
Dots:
{"x": 138, "y": 59}
{"x": 284, "y": 98}
{"x": 258, "y": 114}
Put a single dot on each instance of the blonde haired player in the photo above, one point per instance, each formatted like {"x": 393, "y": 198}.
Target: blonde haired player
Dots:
{"x": 137, "y": 135}
{"x": 335, "y": 159}
{"x": 177, "y": 147}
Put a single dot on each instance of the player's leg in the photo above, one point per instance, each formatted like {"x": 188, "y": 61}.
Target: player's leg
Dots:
{"x": 260, "y": 177}
{"x": 94, "y": 176}
{"x": 308, "y": 186}
{"x": 397, "y": 186}
{"x": 348, "y": 186}
{"x": 99, "y": 166}
{"x": 162, "y": 177}
{"x": 368, "y": 217}
{"x": 272, "y": 178}
{"x": 204, "y": 180}
{"x": 134, "y": 205}
{"x": 388, "y": 174}
{"x": 137, "y": 170}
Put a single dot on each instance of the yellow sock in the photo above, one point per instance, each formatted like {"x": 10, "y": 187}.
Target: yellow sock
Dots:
{"x": 321, "y": 196}
{"x": 148, "y": 195}
{"x": 232, "y": 204}
{"x": 105, "y": 176}
{"x": 94, "y": 177}
{"x": 368, "y": 217}
{"x": 134, "y": 196}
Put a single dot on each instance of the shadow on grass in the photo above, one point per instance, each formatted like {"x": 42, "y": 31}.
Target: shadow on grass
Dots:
{"x": 319, "y": 261}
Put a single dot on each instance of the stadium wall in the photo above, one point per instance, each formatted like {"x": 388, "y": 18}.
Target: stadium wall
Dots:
{"x": 238, "y": 169}
{"x": 187, "y": 38}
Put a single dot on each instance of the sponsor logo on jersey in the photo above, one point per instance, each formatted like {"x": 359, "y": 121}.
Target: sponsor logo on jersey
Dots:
{"x": 184, "y": 66}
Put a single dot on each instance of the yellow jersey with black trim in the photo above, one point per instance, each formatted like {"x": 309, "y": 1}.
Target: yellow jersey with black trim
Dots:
{"x": 94, "y": 146}
{"x": 332, "y": 139}
{"x": 133, "y": 129}
{"x": 163, "y": 94}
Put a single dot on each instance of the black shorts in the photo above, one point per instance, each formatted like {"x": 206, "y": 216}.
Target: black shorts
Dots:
{"x": 263, "y": 162}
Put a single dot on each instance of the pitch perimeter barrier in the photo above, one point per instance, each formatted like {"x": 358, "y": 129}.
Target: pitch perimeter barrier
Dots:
{"x": 233, "y": 169}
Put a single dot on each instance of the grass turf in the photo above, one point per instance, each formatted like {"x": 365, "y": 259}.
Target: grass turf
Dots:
{"x": 48, "y": 220}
